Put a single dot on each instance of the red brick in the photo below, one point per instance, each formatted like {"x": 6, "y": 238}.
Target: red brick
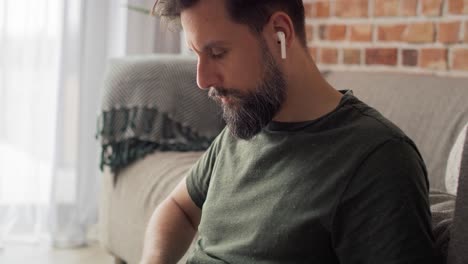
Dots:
{"x": 336, "y": 32}
{"x": 309, "y": 10}
{"x": 408, "y": 7}
{"x": 410, "y": 57}
{"x": 352, "y": 8}
{"x": 466, "y": 32}
{"x": 386, "y": 8}
{"x": 310, "y": 33}
{"x": 322, "y": 9}
{"x": 328, "y": 56}
{"x": 352, "y": 56}
{"x": 460, "y": 59}
{"x": 419, "y": 33}
{"x": 381, "y": 56}
{"x": 332, "y": 32}
{"x": 313, "y": 53}
{"x": 458, "y": 6}
{"x": 391, "y": 32}
{"x": 432, "y": 7}
{"x": 449, "y": 32}
{"x": 317, "y": 9}
{"x": 433, "y": 58}
{"x": 360, "y": 33}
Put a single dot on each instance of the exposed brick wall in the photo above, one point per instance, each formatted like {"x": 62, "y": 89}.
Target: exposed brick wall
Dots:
{"x": 429, "y": 36}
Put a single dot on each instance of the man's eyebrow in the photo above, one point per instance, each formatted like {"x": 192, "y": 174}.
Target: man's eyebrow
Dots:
{"x": 210, "y": 45}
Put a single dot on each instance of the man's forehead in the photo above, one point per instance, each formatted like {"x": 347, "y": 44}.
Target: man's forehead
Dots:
{"x": 205, "y": 36}
{"x": 206, "y": 27}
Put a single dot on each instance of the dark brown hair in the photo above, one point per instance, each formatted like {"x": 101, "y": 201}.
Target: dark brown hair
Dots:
{"x": 253, "y": 13}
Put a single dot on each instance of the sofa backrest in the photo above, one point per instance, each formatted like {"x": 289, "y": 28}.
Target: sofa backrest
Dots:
{"x": 429, "y": 109}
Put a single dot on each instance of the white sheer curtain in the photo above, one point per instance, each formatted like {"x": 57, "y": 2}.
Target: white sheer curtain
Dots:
{"x": 52, "y": 59}
{"x": 30, "y": 40}
{"x": 53, "y": 55}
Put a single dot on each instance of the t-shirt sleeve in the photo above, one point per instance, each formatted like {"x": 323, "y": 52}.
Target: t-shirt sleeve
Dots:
{"x": 384, "y": 215}
{"x": 198, "y": 178}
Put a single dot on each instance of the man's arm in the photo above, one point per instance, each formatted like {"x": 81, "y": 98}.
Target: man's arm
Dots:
{"x": 171, "y": 228}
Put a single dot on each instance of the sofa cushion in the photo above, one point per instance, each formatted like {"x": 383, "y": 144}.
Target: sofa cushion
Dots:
{"x": 454, "y": 162}
{"x": 127, "y": 206}
{"x": 458, "y": 250}
{"x": 442, "y": 210}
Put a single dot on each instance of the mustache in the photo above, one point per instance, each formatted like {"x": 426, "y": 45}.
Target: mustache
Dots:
{"x": 215, "y": 92}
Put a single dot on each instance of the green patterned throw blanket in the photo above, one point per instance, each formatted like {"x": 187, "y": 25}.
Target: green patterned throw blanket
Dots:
{"x": 153, "y": 103}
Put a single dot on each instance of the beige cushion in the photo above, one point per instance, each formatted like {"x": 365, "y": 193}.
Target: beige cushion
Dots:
{"x": 127, "y": 205}
{"x": 454, "y": 162}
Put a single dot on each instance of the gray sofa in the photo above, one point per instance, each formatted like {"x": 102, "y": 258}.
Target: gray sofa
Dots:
{"x": 431, "y": 110}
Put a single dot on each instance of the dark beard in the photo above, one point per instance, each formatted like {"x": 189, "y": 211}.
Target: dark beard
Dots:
{"x": 247, "y": 114}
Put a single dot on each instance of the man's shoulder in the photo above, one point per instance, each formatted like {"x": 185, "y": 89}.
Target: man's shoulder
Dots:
{"x": 354, "y": 119}
{"x": 368, "y": 123}
{"x": 362, "y": 130}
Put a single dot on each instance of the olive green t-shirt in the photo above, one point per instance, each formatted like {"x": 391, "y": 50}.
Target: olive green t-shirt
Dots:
{"x": 349, "y": 187}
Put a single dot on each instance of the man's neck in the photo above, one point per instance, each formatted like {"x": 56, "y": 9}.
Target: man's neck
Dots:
{"x": 309, "y": 95}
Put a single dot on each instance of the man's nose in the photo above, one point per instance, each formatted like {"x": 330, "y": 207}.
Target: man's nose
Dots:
{"x": 207, "y": 75}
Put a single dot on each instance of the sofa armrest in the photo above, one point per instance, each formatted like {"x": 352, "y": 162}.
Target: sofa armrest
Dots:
{"x": 127, "y": 205}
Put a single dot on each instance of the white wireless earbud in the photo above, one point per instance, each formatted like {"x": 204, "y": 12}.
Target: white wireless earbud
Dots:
{"x": 282, "y": 41}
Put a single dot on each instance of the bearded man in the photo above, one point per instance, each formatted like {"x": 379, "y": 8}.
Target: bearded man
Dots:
{"x": 303, "y": 173}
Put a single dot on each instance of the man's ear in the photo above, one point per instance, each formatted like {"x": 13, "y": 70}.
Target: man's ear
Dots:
{"x": 280, "y": 22}
{"x": 280, "y": 42}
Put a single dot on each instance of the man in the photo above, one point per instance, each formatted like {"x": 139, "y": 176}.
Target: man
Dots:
{"x": 302, "y": 173}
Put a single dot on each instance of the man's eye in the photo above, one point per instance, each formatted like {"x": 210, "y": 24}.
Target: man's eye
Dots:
{"x": 217, "y": 53}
